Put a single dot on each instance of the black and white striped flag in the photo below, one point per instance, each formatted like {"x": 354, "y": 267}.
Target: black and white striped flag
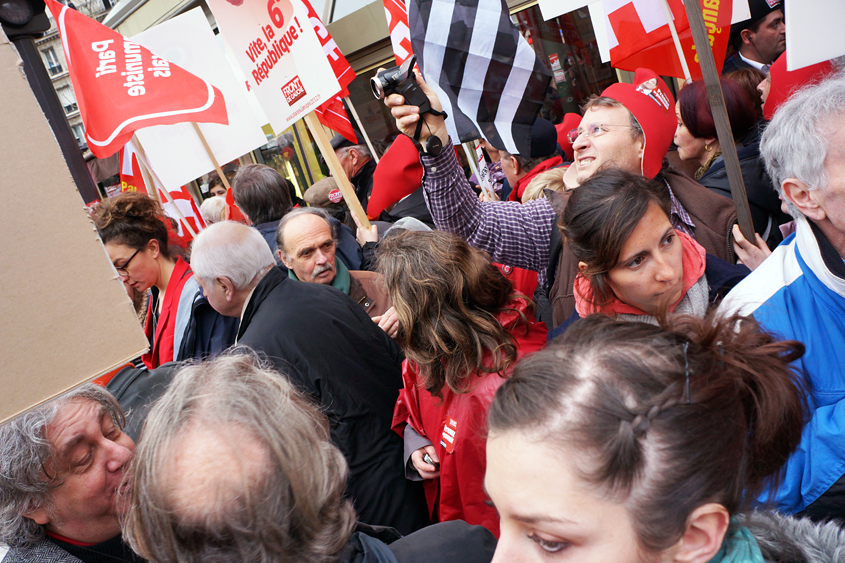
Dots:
{"x": 485, "y": 73}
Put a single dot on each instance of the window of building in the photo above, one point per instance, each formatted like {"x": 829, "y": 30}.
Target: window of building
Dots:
{"x": 54, "y": 67}
{"x": 67, "y": 99}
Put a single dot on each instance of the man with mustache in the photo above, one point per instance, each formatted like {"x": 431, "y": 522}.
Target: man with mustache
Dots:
{"x": 61, "y": 478}
{"x": 306, "y": 243}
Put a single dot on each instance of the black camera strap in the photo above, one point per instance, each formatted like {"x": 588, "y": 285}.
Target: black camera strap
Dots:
{"x": 433, "y": 145}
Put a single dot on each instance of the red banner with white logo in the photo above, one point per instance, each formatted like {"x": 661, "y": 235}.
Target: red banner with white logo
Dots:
{"x": 131, "y": 179}
{"x": 121, "y": 86}
{"x": 332, "y": 114}
{"x": 640, "y": 35}
{"x": 186, "y": 204}
{"x": 397, "y": 23}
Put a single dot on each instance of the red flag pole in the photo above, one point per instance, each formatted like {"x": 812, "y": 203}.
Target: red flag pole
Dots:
{"x": 361, "y": 127}
{"x": 142, "y": 157}
{"x": 211, "y": 155}
{"x": 670, "y": 18}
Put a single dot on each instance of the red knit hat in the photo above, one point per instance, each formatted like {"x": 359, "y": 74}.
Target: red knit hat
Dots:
{"x": 653, "y": 106}
{"x": 570, "y": 121}
{"x": 398, "y": 174}
{"x": 785, "y": 82}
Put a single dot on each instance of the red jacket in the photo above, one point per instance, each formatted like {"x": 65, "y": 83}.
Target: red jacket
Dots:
{"x": 458, "y": 494}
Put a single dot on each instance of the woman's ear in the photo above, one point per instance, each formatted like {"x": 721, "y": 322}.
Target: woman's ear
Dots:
{"x": 153, "y": 248}
{"x": 703, "y": 537}
{"x": 582, "y": 266}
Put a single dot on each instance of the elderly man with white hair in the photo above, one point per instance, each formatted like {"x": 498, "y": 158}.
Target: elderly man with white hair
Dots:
{"x": 799, "y": 291}
{"x": 331, "y": 350}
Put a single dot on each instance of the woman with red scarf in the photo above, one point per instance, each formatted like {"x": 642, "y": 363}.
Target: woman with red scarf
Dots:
{"x": 462, "y": 329}
{"x": 634, "y": 265}
{"x": 180, "y": 323}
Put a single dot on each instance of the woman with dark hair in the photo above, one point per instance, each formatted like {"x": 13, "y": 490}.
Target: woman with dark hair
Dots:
{"x": 462, "y": 329}
{"x": 180, "y": 323}
{"x": 633, "y": 264}
{"x": 696, "y": 140}
{"x": 632, "y": 443}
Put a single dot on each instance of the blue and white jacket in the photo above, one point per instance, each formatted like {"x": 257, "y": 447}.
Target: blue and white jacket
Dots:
{"x": 799, "y": 293}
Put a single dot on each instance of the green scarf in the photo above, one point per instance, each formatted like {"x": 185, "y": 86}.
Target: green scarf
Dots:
{"x": 341, "y": 279}
{"x": 739, "y": 546}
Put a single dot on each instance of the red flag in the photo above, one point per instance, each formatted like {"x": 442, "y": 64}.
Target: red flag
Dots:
{"x": 233, "y": 212}
{"x": 641, "y": 37}
{"x": 131, "y": 179}
{"x": 186, "y": 204}
{"x": 400, "y": 35}
{"x": 332, "y": 114}
{"x": 121, "y": 86}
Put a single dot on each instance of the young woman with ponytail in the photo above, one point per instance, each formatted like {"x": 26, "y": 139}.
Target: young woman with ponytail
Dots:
{"x": 630, "y": 443}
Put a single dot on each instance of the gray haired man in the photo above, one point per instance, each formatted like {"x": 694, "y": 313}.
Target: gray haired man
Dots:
{"x": 61, "y": 480}
{"x": 799, "y": 291}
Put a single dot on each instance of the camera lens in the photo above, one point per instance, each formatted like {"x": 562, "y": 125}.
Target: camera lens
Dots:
{"x": 376, "y": 85}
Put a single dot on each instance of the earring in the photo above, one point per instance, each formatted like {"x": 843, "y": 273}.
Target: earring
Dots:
{"x": 707, "y": 147}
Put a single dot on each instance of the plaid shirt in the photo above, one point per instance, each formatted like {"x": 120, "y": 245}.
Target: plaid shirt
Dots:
{"x": 513, "y": 233}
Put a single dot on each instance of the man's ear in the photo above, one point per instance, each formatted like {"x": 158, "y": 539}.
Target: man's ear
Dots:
{"x": 39, "y": 516}
{"x": 284, "y": 259}
{"x": 803, "y": 198}
{"x": 703, "y": 537}
{"x": 746, "y": 34}
{"x": 228, "y": 287}
{"x": 517, "y": 169}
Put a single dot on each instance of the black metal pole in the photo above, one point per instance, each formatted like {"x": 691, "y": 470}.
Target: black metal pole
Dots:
{"x": 47, "y": 98}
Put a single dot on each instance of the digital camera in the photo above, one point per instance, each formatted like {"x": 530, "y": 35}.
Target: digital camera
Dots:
{"x": 401, "y": 80}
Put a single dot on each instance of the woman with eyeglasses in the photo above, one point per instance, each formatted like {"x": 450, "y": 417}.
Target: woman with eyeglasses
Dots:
{"x": 633, "y": 264}
{"x": 180, "y": 324}
{"x": 626, "y": 442}
{"x": 697, "y": 140}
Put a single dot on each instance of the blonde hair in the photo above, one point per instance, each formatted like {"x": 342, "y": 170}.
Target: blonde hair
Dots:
{"x": 550, "y": 179}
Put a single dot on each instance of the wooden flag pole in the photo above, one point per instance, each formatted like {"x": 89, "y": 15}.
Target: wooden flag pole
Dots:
{"x": 470, "y": 152}
{"x": 337, "y": 171}
{"x": 143, "y": 158}
{"x": 211, "y": 155}
{"x": 720, "y": 117}
{"x": 670, "y": 18}
{"x": 361, "y": 127}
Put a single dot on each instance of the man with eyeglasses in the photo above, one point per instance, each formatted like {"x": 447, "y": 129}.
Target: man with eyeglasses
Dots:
{"x": 630, "y": 126}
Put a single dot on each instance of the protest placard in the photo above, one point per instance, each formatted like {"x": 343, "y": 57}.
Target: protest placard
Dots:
{"x": 280, "y": 54}
{"x": 175, "y": 151}
{"x": 813, "y": 32}
{"x": 66, "y": 317}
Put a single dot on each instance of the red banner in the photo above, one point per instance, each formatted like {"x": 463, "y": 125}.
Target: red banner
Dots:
{"x": 332, "y": 114}
{"x": 131, "y": 179}
{"x": 397, "y": 23}
{"x": 643, "y": 38}
{"x": 121, "y": 86}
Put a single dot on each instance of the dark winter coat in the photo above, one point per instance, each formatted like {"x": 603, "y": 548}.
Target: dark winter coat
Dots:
{"x": 330, "y": 349}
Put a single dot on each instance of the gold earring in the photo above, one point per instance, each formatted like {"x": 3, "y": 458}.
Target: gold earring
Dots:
{"x": 707, "y": 147}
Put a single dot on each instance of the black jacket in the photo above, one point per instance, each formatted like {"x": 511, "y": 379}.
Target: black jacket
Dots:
{"x": 448, "y": 542}
{"x": 362, "y": 181}
{"x": 329, "y": 348}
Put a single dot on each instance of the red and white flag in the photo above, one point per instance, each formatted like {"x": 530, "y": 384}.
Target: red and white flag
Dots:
{"x": 639, "y": 35}
{"x": 121, "y": 86}
{"x": 131, "y": 179}
{"x": 332, "y": 114}
{"x": 397, "y": 23}
{"x": 186, "y": 204}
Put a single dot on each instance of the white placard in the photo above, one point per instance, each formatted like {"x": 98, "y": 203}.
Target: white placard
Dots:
{"x": 484, "y": 174}
{"x": 554, "y": 8}
{"x": 814, "y": 32}
{"x": 175, "y": 151}
{"x": 280, "y": 55}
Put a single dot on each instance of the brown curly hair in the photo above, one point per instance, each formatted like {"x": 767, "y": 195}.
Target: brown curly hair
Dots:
{"x": 446, "y": 295}
{"x": 132, "y": 219}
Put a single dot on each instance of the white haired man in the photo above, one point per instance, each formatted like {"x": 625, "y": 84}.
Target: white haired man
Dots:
{"x": 799, "y": 291}
{"x": 358, "y": 164}
{"x": 330, "y": 349}
{"x": 266, "y": 484}
{"x": 61, "y": 480}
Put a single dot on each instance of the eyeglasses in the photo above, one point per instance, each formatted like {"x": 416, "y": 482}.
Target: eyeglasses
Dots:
{"x": 593, "y": 130}
{"x": 121, "y": 270}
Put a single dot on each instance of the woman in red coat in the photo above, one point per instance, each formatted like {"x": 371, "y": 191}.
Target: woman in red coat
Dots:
{"x": 462, "y": 330}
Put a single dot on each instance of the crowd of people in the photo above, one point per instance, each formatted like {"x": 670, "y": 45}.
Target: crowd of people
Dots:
{"x": 589, "y": 363}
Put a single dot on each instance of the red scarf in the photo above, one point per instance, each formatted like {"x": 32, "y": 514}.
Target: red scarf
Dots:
{"x": 693, "y": 261}
{"x": 522, "y": 183}
{"x": 161, "y": 343}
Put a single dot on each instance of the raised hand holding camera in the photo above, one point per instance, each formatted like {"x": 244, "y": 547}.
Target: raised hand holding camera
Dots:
{"x": 416, "y": 99}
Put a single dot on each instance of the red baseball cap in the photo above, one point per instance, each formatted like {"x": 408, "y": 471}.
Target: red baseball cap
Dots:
{"x": 652, "y": 104}
{"x": 570, "y": 121}
{"x": 784, "y": 82}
